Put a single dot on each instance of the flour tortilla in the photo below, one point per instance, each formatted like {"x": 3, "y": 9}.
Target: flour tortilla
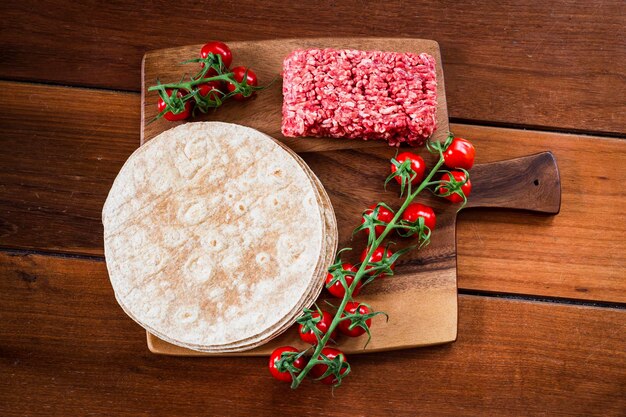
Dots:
{"x": 331, "y": 239}
{"x": 194, "y": 226}
{"x": 317, "y": 285}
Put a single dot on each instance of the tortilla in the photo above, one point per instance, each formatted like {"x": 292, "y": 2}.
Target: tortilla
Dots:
{"x": 331, "y": 240}
{"x": 204, "y": 231}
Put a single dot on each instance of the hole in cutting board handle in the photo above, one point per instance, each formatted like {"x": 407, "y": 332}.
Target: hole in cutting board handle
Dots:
{"x": 536, "y": 182}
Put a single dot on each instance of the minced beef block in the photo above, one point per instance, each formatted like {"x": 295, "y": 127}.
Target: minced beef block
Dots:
{"x": 360, "y": 95}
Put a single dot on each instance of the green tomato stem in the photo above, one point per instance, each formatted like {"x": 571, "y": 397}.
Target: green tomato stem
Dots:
{"x": 188, "y": 85}
{"x": 361, "y": 272}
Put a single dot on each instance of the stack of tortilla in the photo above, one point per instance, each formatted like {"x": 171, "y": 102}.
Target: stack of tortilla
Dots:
{"x": 216, "y": 237}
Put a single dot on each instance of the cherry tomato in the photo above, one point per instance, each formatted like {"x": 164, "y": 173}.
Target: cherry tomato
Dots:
{"x": 171, "y": 116}
{"x": 211, "y": 87}
{"x": 466, "y": 188}
{"x": 460, "y": 154}
{"x": 299, "y": 363}
{"x": 319, "y": 370}
{"x": 344, "y": 325}
{"x": 239, "y": 73}
{"x": 416, "y": 210}
{"x": 217, "y": 48}
{"x": 308, "y": 335}
{"x": 417, "y": 164}
{"x": 377, "y": 256}
{"x": 384, "y": 215}
{"x": 337, "y": 288}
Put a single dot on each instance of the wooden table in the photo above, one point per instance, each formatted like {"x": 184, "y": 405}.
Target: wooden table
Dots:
{"x": 542, "y": 321}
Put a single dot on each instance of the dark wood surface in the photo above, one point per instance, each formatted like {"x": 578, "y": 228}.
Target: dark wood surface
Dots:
{"x": 58, "y": 165}
{"x": 535, "y": 62}
{"x": 529, "y": 341}
{"x": 68, "y": 349}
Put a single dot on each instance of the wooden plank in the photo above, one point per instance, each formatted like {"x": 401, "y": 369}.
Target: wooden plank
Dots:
{"x": 66, "y": 348}
{"x": 521, "y": 62}
{"x": 577, "y": 254}
{"x": 61, "y": 150}
{"x": 264, "y": 112}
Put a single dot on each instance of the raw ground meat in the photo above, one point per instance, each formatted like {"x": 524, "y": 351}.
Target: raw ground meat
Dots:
{"x": 360, "y": 95}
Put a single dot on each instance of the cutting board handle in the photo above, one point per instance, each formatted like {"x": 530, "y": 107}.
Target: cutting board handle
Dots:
{"x": 526, "y": 183}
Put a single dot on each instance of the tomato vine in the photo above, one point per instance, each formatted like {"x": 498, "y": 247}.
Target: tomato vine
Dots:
{"x": 209, "y": 88}
{"x": 453, "y": 185}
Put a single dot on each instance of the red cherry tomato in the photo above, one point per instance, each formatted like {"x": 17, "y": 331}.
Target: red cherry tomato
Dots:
{"x": 337, "y": 288}
{"x": 172, "y": 117}
{"x": 308, "y": 335}
{"x": 384, "y": 215}
{"x": 416, "y": 210}
{"x": 239, "y": 73}
{"x": 319, "y": 370}
{"x": 377, "y": 256}
{"x": 211, "y": 87}
{"x": 460, "y": 154}
{"x": 217, "y": 48}
{"x": 466, "y": 188}
{"x": 344, "y": 325}
{"x": 299, "y": 363}
{"x": 417, "y": 164}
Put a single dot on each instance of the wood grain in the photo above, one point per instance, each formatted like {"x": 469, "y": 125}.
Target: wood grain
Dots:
{"x": 66, "y": 348}
{"x": 264, "y": 113}
{"x": 580, "y": 252}
{"x": 530, "y": 62}
{"x": 57, "y": 166}
{"x": 577, "y": 254}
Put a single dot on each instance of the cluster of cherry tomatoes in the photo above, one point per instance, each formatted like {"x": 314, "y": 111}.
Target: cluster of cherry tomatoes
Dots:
{"x": 300, "y": 362}
{"x": 315, "y": 326}
{"x": 454, "y": 186}
{"x": 458, "y": 156}
{"x": 213, "y": 90}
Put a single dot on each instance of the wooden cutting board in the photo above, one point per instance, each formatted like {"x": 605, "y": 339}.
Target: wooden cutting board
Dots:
{"x": 421, "y": 298}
